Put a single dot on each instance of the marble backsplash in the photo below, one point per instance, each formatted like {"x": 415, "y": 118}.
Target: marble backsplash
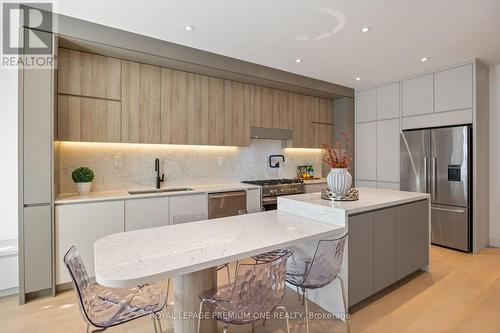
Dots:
{"x": 127, "y": 166}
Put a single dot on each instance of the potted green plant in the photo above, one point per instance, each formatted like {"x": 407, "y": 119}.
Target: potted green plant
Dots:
{"x": 83, "y": 178}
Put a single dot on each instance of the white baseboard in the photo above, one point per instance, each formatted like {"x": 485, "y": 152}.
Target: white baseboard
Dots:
{"x": 494, "y": 242}
{"x": 9, "y": 292}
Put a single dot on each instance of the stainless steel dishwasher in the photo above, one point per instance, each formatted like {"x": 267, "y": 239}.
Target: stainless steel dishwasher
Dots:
{"x": 224, "y": 204}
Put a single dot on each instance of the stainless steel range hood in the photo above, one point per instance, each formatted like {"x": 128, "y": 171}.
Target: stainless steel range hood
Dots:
{"x": 271, "y": 133}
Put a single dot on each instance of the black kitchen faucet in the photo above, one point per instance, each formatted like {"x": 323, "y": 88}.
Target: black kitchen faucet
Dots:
{"x": 158, "y": 178}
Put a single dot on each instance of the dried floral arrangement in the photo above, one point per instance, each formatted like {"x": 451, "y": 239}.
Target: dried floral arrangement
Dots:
{"x": 335, "y": 156}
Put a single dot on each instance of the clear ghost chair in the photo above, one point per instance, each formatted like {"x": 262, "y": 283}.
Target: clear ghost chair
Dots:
{"x": 317, "y": 269}
{"x": 103, "y": 307}
{"x": 256, "y": 293}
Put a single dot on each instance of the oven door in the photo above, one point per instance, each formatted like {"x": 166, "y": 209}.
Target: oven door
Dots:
{"x": 270, "y": 203}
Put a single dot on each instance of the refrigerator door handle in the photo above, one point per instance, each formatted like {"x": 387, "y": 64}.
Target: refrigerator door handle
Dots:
{"x": 434, "y": 177}
{"x": 425, "y": 175}
{"x": 458, "y": 211}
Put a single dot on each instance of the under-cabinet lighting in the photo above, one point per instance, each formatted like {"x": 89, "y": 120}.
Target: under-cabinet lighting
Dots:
{"x": 143, "y": 146}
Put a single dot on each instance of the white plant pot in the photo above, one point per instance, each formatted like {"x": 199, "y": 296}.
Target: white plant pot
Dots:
{"x": 84, "y": 188}
{"x": 339, "y": 181}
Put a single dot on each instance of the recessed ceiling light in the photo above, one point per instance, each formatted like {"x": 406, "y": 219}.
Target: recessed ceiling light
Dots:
{"x": 365, "y": 29}
{"x": 298, "y": 60}
{"x": 189, "y": 27}
{"x": 424, "y": 59}
{"x": 358, "y": 78}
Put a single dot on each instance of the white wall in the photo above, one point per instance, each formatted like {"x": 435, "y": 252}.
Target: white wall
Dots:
{"x": 8, "y": 153}
{"x": 494, "y": 155}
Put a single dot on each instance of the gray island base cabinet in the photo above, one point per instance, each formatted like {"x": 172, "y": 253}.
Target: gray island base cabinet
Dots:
{"x": 385, "y": 246}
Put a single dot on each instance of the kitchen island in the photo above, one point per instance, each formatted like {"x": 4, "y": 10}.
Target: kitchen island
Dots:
{"x": 388, "y": 239}
{"x": 190, "y": 252}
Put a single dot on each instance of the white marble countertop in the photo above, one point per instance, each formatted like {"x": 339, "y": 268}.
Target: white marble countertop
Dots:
{"x": 73, "y": 198}
{"x": 136, "y": 257}
{"x": 369, "y": 199}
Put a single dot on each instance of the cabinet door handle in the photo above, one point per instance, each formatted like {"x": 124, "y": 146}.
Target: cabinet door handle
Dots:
{"x": 434, "y": 177}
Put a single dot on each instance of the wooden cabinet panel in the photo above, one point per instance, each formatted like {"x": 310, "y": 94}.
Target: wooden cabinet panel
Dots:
{"x": 86, "y": 74}
{"x": 320, "y": 134}
{"x": 404, "y": 241}
{"x": 81, "y": 225}
{"x": 177, "y": 105}
{"x": 37, "y": 248}
{"x": 384, "y": 246}
{"x": 261, "y": 107}
{"x": 282, "y": 117}
{"x": 453, "y": 89}
{"x": 206, "y": 121}
{"x": 236, "y": 113}
{"x": 360, "y": 257}
{"x": 366, "y": 151}
{"x": 418, "y": 95}
{"x": 388, "y": 150}
{"x": 146, "y": 213}
{"x": 388, "y": 101}
{"x": 140, "y": 103}
{"x": 366, "y": 105}
{"x": 88, "y": 119}
{"x": 301, "y": 107}
{"x": 323, "y": 113}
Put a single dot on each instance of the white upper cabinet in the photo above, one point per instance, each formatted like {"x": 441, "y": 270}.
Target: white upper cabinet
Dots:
{"x": 366, "y": 105}
{"x": 366, "y": 151}
{"x": 453, "y": 89}
{"x": 388, "y": 150}
{"x": 418, "y": 95}
{"x": 146, "y": 213}
{"x": 388, "y": 101}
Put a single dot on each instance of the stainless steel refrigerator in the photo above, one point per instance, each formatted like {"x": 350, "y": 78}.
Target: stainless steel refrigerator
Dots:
{"x": 438, "y": 161}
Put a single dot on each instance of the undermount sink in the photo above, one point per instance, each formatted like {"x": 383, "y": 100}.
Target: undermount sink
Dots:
{"x": 164, "y": 190}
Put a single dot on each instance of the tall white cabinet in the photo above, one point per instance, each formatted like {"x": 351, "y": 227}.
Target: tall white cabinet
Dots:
{"x": 377, "y": 136}
{"x": 455, "y": 95}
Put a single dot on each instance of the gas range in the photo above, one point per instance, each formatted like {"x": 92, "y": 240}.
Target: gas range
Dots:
{"x": 273, "y": 188}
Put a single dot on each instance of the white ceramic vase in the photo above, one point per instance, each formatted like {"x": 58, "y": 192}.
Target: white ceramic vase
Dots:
{"x": 339, "y": 180}
{"x": 84, "y": 188}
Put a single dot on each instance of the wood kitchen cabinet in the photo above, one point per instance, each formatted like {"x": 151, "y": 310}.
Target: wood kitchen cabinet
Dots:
{"x": 177, "y": 101}
{"x": 261, "y": 106}
{"x": 88, "y": 119}
{"x": 87, "y": 74}
{"x": 236, "y": 113}
{"x": 282, "y": 117}
{"x": 301, "y": 106}
{"x": 207, "y": 120}
{"x": 140, "y": 115}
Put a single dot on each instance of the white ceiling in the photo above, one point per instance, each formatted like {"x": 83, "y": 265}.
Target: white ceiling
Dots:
{"x": 323, "y": 33}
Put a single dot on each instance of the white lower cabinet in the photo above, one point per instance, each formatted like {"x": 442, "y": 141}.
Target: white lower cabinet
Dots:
{"x": 313, "y": 188}
{"x": 254, "y": 200}
{"x": 81, "y": 225}
{"x": 188, "y": 208}
{"x": 146, "y": 213}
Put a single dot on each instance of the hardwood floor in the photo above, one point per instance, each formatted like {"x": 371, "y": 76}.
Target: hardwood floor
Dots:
{"x": 460, "y": 294}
